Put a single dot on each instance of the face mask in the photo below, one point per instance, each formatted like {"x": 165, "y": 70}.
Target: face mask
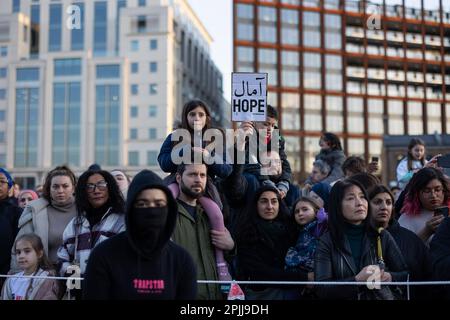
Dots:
{"x": 148, "y": 225}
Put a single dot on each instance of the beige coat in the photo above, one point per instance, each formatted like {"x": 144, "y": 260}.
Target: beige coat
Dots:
{"x": 34, "y": 219}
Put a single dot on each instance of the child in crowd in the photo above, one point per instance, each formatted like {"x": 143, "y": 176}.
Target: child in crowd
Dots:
{"x": 33, "y": 261}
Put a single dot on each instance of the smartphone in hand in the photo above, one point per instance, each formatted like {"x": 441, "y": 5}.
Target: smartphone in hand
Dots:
{"x": 441, "y": 210}
{"x": 374, "y": 159}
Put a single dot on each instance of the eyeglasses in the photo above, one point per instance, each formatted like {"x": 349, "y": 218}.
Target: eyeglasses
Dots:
{"x": 101, "y": 186}
{"x": 3, "y": 182}
{"x": 437, "y": 190}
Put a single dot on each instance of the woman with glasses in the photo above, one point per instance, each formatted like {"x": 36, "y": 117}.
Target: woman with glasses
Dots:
{"x": 427, "y": 191}
{"x": 100, "y": 215}
{"x": 48, "y": 216}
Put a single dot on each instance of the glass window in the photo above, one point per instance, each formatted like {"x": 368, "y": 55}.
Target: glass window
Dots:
{"x": 245, "y": 31}
{"x": 134, "y": 45}
{"x": 152, "y": 111}
{"x": 272, "y": 74}
{"x": 311, "y": 19}
{"x": 2, "y": 136}
{"x": 108, "y": 71}
{"x": 142, "y": 3}
{"x": 355, "y": 146}
{"x": 289, "y": 16}
{"x": 355, "y": 115}
{"x": 134, "y": 110}
{"x": 267, "y": 14}
{"x": 2, "y": 115}
{"x": 313, "y": 112}
{"x": 290, "y": 103}
{"x": 55, "y": 27}
{"x": 3, "y": 72}
{"x": 290, "y": 58}
{"x": 2, "y": 94}
{"x": 245, "y": 54}
{"x": 135, "y": 67}
{"x": 152, "y": 158}
{"x": 2, "y": 159}
{"x": 333, "y": 81}
{"x": 331, "y": 4}
{"x": 395, "y": 118}
{"x": 27, "y": 74}
{"x": 153, "y": 66}
{"x": 67, "y": 67}
{"x": 434, "y": 118}
{"x": 290, "y": 78}
{"x": 152, "y": 133}
{"x": 153, "y": 88}
{"x": 16, "y": 6}
{"x": 133, "y": 133}
{"x": 332, "y": 21}
{"x": 289, "y": 36}
{"x": 133, "y": 158}
{"x": 334, "y": 109}
{"x": 312, "y": 80}
{"x": 100, "y": 26}
{"x": 311, "y": 38}
{"x": 333, "y": 40}
{"x": 267, "y": 56}
{"x": 244, "y": 11}
{"x": 415, "y": 120}
{"x": 3, "y": 51}
{"x": 267, "y": 34}
{"x": 134, "y": 89}
{"x": 311, "y": 60}
{"x": 153, "y": 44}
{"x": 375, "y": 112}
{"x": 77, "y": 37}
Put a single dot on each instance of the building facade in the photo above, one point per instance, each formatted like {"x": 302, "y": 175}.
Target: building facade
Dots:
{"x": 359, "y": 69}
{"x": 98, "y": 81}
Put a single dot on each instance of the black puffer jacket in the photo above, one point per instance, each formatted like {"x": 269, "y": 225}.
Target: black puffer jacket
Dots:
{"x": 335, "y": 159}
{"x": 440, "y": 255}
{"x": 332, "y": 264}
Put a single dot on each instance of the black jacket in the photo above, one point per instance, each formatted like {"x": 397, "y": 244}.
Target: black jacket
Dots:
{"x": 332, "y": 264}
{"x": 416, "y": 257}
{"x": 440, "y": 255}
{"x": 9, "y": 220}
{"x": 121, "y": 268}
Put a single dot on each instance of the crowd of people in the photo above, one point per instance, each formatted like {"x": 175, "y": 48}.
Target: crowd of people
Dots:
{"x": 151, "y": 238}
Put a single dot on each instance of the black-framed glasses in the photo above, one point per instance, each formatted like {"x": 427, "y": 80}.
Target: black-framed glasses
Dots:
{"x": 101, "y": 185}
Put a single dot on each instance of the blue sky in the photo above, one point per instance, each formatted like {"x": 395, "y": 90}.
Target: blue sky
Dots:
{"x": 216, "y": 16}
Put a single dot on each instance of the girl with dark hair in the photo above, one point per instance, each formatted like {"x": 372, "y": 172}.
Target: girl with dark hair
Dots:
{"x": 413, "y": 250}
{"x": 414, "y": 161}
{"x": 263, "y": 237}
{"x": 353, "y": 251}
{"x": 427, "y": 191}
{"x": 331, "y": 152}
{"x": 100, "y": 215}
{"x": 33, "y": 261}
{"x": 196, "y": 119}
{"x": 48, "y": 216}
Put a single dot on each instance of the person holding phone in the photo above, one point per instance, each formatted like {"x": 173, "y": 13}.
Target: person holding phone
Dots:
{"x": 414, "y": 160}
{"x": 428, "y": 190}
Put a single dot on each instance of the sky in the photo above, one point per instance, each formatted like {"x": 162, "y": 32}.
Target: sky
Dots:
{"x": 216, "y": 16}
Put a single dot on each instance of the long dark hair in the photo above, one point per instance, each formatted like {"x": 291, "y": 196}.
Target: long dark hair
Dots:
{"x": 36, "y": 243}
{"x": 376, "y": 190}
{"x": 333, "y": 140}
{"x": 336, "y": 220}
{"x": 188, "y": 107}
{"x": 58, "y": 171}
{"x": 417, "y": 183}
{"x": 115, "y": 199}
{"x": 412, "y": 143}
{"x": 245, "y": 226}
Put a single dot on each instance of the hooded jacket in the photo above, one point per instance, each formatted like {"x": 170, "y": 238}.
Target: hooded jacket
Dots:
{"x": 9, "y": 217}
{"x": 122, "y": 268}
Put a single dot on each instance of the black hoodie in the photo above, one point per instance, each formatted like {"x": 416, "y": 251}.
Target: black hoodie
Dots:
{"x": 123, "y": 268}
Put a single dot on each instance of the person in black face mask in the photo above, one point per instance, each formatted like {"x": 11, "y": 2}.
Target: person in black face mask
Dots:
{"x": 142, "y": 262}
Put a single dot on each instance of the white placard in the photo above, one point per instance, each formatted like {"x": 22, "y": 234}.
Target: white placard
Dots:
{"x": 249, "y": 96}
